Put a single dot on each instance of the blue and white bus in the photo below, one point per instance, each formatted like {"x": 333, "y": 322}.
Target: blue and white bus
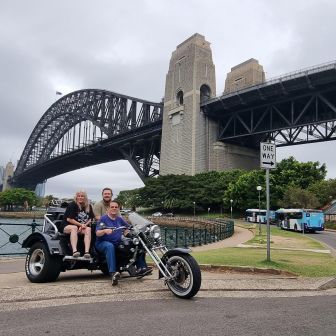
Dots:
{"x": 300, "y": 219}
{"x": 258, "y": 215}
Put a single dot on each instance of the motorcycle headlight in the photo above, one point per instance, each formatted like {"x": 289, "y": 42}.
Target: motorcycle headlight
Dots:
{"x": 135, "y": 241}
{"x": 155, "y": 232}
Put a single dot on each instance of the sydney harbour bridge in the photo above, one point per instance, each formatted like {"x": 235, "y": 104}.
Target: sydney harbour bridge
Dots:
{"x": 90, "y": 127}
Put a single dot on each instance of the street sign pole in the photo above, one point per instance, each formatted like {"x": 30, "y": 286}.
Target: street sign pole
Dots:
{"x": 268, "y": 216}
{"x": 268, "y": 161}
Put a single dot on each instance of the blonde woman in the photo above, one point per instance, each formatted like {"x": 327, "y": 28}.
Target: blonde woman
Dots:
{"x": 77, "y": 220}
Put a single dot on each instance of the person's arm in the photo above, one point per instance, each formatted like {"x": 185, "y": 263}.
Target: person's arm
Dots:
{"x": 101, "y": 232}
{"x": 91, "y": 216}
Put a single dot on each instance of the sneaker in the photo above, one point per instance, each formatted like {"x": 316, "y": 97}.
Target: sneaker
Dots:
{"x": 114, "y": 278}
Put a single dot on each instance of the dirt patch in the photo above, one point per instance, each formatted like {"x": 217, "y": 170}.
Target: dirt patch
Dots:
{"x": 286, "y": 242}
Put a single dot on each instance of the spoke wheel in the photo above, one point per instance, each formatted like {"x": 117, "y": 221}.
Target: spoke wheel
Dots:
{"x": 186, "y": 274}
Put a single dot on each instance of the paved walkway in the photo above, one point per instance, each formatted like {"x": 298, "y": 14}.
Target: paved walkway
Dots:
{"x": 241, "y": 235}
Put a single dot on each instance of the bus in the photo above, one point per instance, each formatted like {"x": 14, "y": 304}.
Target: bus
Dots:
{"x": 258, "y": 215}
{"x": 307, "y": 220}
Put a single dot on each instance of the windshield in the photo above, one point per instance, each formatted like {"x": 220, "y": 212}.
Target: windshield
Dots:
{"x": 139, "y": 223}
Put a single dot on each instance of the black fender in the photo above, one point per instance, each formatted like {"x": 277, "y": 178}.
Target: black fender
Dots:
{"x": 54, "y": 245}
{"x": 174, "y": 251}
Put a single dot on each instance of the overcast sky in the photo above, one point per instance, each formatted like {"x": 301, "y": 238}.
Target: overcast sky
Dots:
{"x": 125, "y": 46}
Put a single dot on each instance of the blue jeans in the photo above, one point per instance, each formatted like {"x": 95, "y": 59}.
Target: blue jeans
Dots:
{"x": 109, "y": 250}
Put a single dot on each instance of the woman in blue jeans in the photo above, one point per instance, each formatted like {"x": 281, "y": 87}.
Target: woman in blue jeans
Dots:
{"x": 108, "y": 239}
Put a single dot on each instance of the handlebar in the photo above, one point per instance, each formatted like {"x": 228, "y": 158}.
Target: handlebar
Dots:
{"x": 103, "y": 226}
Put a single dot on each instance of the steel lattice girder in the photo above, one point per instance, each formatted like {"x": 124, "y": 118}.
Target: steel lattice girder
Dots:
{"x": 298, "y": 108}
{"x": 289, "y": 116}
{"x": 112, "y": 113}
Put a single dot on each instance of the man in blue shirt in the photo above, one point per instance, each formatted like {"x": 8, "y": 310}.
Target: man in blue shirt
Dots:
{"x": 108, "y": 239}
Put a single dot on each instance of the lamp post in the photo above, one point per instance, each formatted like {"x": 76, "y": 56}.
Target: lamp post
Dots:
{"x": 259, "y": 188}
{"x": 194, "y": 208}
{"x": 231, "y": 201}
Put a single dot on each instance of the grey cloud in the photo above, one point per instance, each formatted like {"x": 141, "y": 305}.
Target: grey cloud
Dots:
{"x": 125, "y": 47}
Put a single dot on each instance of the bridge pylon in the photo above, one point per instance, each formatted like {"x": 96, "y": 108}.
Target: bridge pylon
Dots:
{"x": 189, "y": 139}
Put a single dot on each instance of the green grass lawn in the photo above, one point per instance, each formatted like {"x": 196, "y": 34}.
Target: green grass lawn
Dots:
{"x": 283, "y": 239}
{"x": 286, "y": 253}
{"x": 310, "y": 264}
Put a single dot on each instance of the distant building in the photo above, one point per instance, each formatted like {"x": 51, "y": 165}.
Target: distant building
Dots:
{"x": 2, "y": 172}
{"x": 40, "y": 189}
{"x": 244, "y": 75}
{"x": 8, "y": 172}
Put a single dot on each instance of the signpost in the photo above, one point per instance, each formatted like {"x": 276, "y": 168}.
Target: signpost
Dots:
{"x": 267, "y": 155}
{"x": 268, "y": 161}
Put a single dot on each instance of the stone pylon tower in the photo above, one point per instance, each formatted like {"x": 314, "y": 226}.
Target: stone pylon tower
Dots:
{"x": 186, "y": 134}
{"x": 189, "y": 140}
{"x": 9, "y": 172}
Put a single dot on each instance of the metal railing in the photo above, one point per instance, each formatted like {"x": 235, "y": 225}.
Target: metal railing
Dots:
{"x": 13, "y": 234}
{"x": 277, "y": 79}
{"x": 211, "y": 232}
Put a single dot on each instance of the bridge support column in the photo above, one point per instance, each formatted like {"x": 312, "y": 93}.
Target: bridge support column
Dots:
{"x": 7, "y": 175}
{"x": 189, "y": 140}
{"x": 191, "y": 77}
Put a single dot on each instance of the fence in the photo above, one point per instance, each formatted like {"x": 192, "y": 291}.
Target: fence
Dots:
{"x": 209, "y": 232}
{"x": 13, "y": 234}
{"x": 203, "y": 231}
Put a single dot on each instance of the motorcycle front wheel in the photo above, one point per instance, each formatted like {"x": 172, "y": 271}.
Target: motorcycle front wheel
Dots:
{"x": 186, "y": 273}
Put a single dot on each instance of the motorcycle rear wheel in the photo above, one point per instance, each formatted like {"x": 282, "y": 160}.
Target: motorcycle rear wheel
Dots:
{"x": 40, "y": 265}
{"x": 187, "y": 276}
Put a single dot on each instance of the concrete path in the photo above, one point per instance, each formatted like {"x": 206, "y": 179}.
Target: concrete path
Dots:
{"x": 17, "y": 293}
{"x": 241, "y": 235}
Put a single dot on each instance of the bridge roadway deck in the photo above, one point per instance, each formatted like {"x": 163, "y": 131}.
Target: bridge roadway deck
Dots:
{"x": 81, "y": 286}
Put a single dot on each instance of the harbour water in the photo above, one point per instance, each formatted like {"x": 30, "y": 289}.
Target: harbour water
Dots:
{"x": 12, "y": 229}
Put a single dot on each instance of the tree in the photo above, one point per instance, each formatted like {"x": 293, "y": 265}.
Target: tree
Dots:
{"x": 295, "y": 197}
{"x": 129, "y": 198}
{"x": 17, "y": 196}
{"x": 243, "y": 191}
{"x": 215, "y": 189}
{"x": 324, "y": 191}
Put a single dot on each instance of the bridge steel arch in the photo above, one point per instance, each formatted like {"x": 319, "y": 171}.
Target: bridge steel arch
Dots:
{"x": 89, "y": 127}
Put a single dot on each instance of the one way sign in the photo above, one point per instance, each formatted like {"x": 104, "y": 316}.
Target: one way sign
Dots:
{"x": 267, "y": 155}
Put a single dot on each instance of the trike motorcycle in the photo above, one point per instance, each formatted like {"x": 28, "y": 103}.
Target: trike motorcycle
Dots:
{"x": 50, "y": 254}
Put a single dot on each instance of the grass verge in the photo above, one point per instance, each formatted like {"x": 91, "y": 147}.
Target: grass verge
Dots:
{"x": 309, "y": 264}
{"x": 293, "y": 259}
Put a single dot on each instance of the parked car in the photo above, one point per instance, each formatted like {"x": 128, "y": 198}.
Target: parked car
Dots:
{"x": 169, "y": 214}
{"x": 157, "y": 214}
